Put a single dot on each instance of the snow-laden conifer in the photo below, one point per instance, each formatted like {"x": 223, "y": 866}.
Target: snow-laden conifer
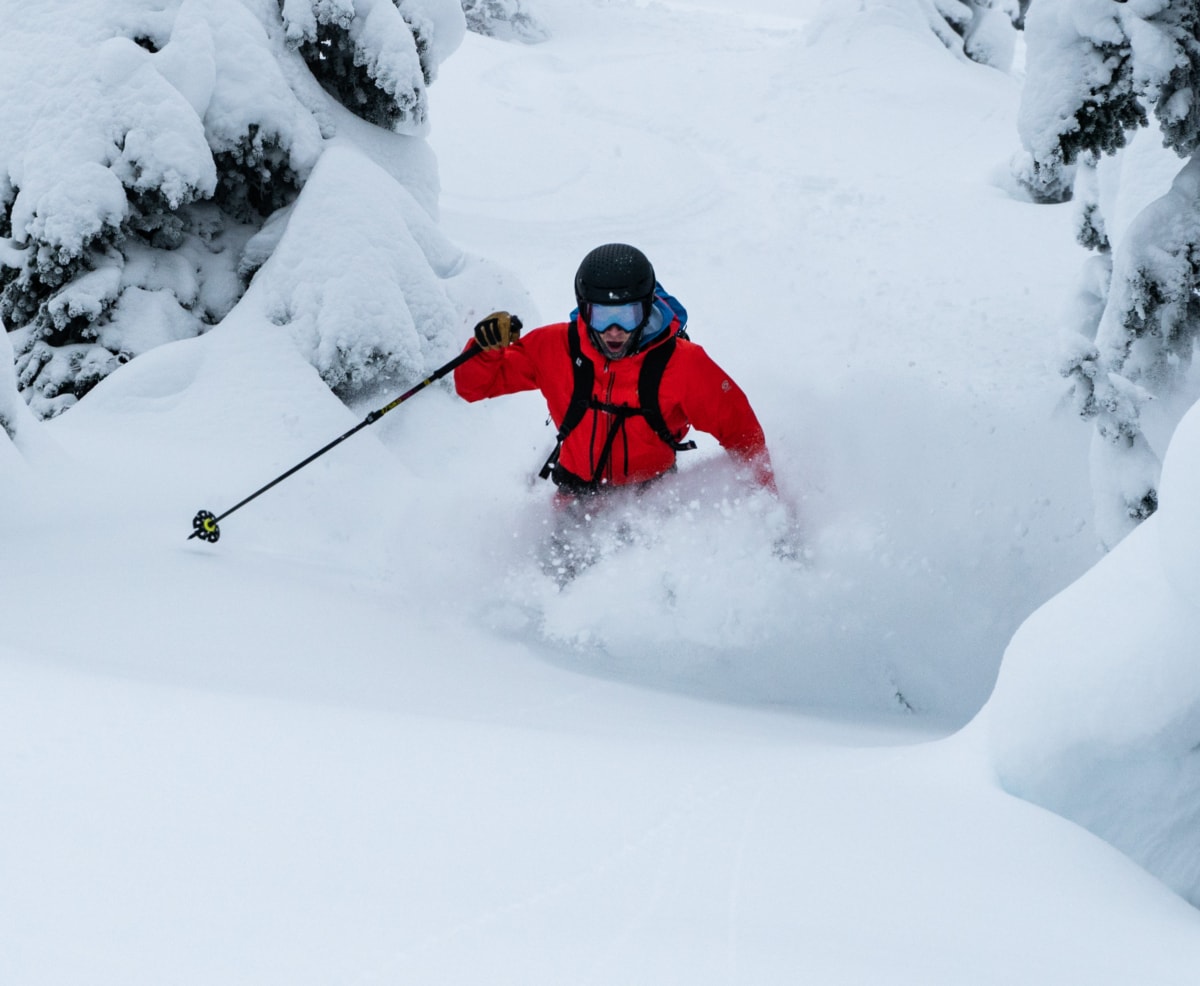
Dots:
{"x": 146, "y": 144}
{"x": 12, "y": 409}
{"x": 982, "y": 30}
{"x": 1098, "y": 72}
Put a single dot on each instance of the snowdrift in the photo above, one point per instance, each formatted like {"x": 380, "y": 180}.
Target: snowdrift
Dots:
{"x": 1096, "y": 713}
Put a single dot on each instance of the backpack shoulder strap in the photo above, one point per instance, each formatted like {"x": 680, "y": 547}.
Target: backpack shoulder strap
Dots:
{"x": 649, "y": 381}
{"x": 581, "y": 395}
{"x": 584, "y": 372}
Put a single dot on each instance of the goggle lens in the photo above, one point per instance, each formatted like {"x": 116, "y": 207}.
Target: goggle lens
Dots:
{"x": 624, "y": 317}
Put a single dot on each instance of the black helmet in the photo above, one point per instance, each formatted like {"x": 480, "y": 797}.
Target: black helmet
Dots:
{"x": 611, "y": 276}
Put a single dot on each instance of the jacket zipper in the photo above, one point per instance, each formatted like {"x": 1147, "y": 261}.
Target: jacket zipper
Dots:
{"x": 608, "y": 466}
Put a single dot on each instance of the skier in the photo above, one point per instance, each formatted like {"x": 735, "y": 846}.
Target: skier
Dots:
{"x": 622, "y": 381}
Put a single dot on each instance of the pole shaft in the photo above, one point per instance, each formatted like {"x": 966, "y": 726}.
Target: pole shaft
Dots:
{"x": 370, "y": 419}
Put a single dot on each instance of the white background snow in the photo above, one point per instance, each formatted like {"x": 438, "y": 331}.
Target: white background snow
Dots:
{"x": 364, "y": 739}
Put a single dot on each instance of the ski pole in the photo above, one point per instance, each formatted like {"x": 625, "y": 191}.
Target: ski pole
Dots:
{"x": 204, "y": 524}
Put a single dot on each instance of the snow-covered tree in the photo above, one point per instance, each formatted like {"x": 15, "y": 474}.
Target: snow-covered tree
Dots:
{"x": 22, "y": 439}
{"x": 147, "y": 142}
{"x": 508, "y": 20}
{"x": 1097, "y": 72}
{"x": 12, "y": 408}
{"x": 983, "y": 30}
{"x": 375, "y": 56}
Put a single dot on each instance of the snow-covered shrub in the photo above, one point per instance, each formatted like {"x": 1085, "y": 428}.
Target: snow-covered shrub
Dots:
{"x": 374, "y": 320}
{"x": 1091, "y": 230}
{"x": 1046, "y": 181}
{"x": 23, "y": 441}
{"x": 983, "y": 30}
{"x": 1096, "y": 712}
{"x": 1097, "y": 72}
{"x": 147, "y": 141}
{"x": 374, "y": 56}
{"x": 508, "y": 20}
{"x": 12, "y": 407}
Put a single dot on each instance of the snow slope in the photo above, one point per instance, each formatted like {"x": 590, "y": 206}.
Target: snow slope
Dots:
{"x": 362, "y": 738}
{"x": 830, "y": 200}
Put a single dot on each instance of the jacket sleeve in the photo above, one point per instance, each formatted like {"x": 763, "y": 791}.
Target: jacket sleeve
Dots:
{"x": 715, "y": 404}
{"x": 497, "y": 372}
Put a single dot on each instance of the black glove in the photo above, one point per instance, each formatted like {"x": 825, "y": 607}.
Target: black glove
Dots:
{"x": 498, "y": 330}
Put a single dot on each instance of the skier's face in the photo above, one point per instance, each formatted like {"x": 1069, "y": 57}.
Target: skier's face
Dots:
{"x": 614, "y": 324}
{"x": 614, "y": 340}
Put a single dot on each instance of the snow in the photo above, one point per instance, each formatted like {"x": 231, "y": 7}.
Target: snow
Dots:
{"x": 346, "y": 316}
{"x": 1109, "y": 725}
{"x": 364, "y": 738}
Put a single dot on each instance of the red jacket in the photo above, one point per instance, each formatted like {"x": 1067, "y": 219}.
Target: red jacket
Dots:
{"x": 694, "y": 392}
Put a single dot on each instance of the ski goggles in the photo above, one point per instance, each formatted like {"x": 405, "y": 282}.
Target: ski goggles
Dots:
{"x": 601, "y": 318}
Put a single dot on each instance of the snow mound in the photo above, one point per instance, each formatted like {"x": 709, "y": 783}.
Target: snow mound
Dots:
{"x": 1096, "y": 713}
{"x": 356, "y": 276}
